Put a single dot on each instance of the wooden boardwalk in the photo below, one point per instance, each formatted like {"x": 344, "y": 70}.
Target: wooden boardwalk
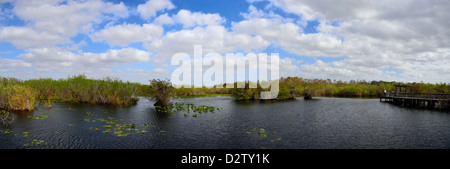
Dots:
{"x": 428, "y": 100}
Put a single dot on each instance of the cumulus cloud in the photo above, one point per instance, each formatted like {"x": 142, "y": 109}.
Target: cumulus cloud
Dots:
{"x": 191, "y": 19}
{"x": 289, "y": 36}
{"x": 406, "y": 36}
{"x": 144, "y": 75}
{"x": 66, "y": 19}
{"x": 124, "y": 34}
{"x": 213, "y": 39}
{"x": 56, "y": 59}
{"x": 163, "y": 19}
{"x": 149, "y": 9}
{"x": 53, "y": 22}
{"x": 9, "y": 65}
{"x": 24, "y": 37}
{"x": 380, "y": 40}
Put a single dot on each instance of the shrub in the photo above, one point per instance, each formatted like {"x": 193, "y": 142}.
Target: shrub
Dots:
{"x": 162, "y": 92}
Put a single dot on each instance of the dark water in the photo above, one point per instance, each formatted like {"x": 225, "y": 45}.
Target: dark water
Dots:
{"x": 318, "y": 123}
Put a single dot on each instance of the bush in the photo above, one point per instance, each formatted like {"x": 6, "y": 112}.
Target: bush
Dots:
{"x": 162, "y": 92}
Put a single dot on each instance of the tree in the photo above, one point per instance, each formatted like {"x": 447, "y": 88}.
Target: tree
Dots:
{"x": 162, "y": 92}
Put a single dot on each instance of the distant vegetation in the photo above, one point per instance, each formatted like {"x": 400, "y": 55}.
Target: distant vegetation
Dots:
{"x": 292, "y": 87}
{"x": 23, "y": 95}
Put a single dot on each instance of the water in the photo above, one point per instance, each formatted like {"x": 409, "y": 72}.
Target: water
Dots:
{"x": 296, "y": 124}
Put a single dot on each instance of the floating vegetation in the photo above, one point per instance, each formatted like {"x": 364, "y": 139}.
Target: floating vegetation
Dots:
{"x": 130, "y": 125}
{"x": 148, "y": 125}
{"x": 270, "y": 135}
{"x": 35, "y": 143}
{"x": 7, "y": 131}
{"x": 112, "y": 126}
{"x": 187, "y": 108}
{"x": 71, "y": 125}
{"x": 25, "y": 134}
{"x": 262, "y": 132}
{"x": 39, "y": 117}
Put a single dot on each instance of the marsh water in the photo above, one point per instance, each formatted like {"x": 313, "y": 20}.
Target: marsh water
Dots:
{"x": 295, "y": 124}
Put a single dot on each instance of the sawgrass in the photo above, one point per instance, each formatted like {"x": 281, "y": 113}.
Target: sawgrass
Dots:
{"x": 22, "y": 95}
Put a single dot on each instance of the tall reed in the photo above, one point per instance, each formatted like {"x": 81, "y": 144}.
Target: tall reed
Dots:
{"x": 22, "y": 95}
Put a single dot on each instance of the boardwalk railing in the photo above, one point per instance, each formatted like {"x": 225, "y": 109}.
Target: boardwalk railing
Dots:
{"x": 421, "y": 96}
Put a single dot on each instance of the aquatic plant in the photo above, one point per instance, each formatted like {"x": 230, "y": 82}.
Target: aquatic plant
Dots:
{"x": 39, "y": 117}
{"x": 6, "y": 118}
{"x": 35, "y": 142}
{"x": 187, "y": 108}
{"x": 25, "y": 134}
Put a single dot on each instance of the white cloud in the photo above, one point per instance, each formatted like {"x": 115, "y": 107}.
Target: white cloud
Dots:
{"x": 66, "y": 19}
{"x": 213, "y": 39}
{"x": 403, "y": 39}
{"x": 10, "y": 65}
{"x": 53, "y": 22}
{"x": 411, "y": 37}
{"x": 56, "y": 59}
{"x": 144, "y": 75}
{"x": 124, "y": 34}
{"x": 24, "y": 37}
{"x": 5, "y": 1}
{"x": 253, "y": 12}
{"x": 149, "y": 9}
{"x": 191, "y": 19}
{"x": 291, "y": 38}
{"x": 163, "y": 19}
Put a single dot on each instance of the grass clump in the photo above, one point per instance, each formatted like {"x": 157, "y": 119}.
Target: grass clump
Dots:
{"x": 15, "y": 96}
{"x": 22, "y": 95}
{"x": 80, "y": 89}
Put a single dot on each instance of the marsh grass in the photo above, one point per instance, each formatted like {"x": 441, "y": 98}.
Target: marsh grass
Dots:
{"x": 22, "y": 95}
{"x": 15, "y": 96}
{"x": 79, "y": 89}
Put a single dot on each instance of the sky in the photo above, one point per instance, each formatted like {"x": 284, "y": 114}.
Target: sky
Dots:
{"x": 401, "y": 40}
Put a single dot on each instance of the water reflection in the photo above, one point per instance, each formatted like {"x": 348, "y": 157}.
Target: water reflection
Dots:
{"x": 299, "y": 123}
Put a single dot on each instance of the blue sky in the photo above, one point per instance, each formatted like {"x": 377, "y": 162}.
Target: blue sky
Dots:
{"x": 135, "y": 40}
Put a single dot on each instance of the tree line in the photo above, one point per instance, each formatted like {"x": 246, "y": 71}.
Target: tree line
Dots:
{"x": 291, "y": 87}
